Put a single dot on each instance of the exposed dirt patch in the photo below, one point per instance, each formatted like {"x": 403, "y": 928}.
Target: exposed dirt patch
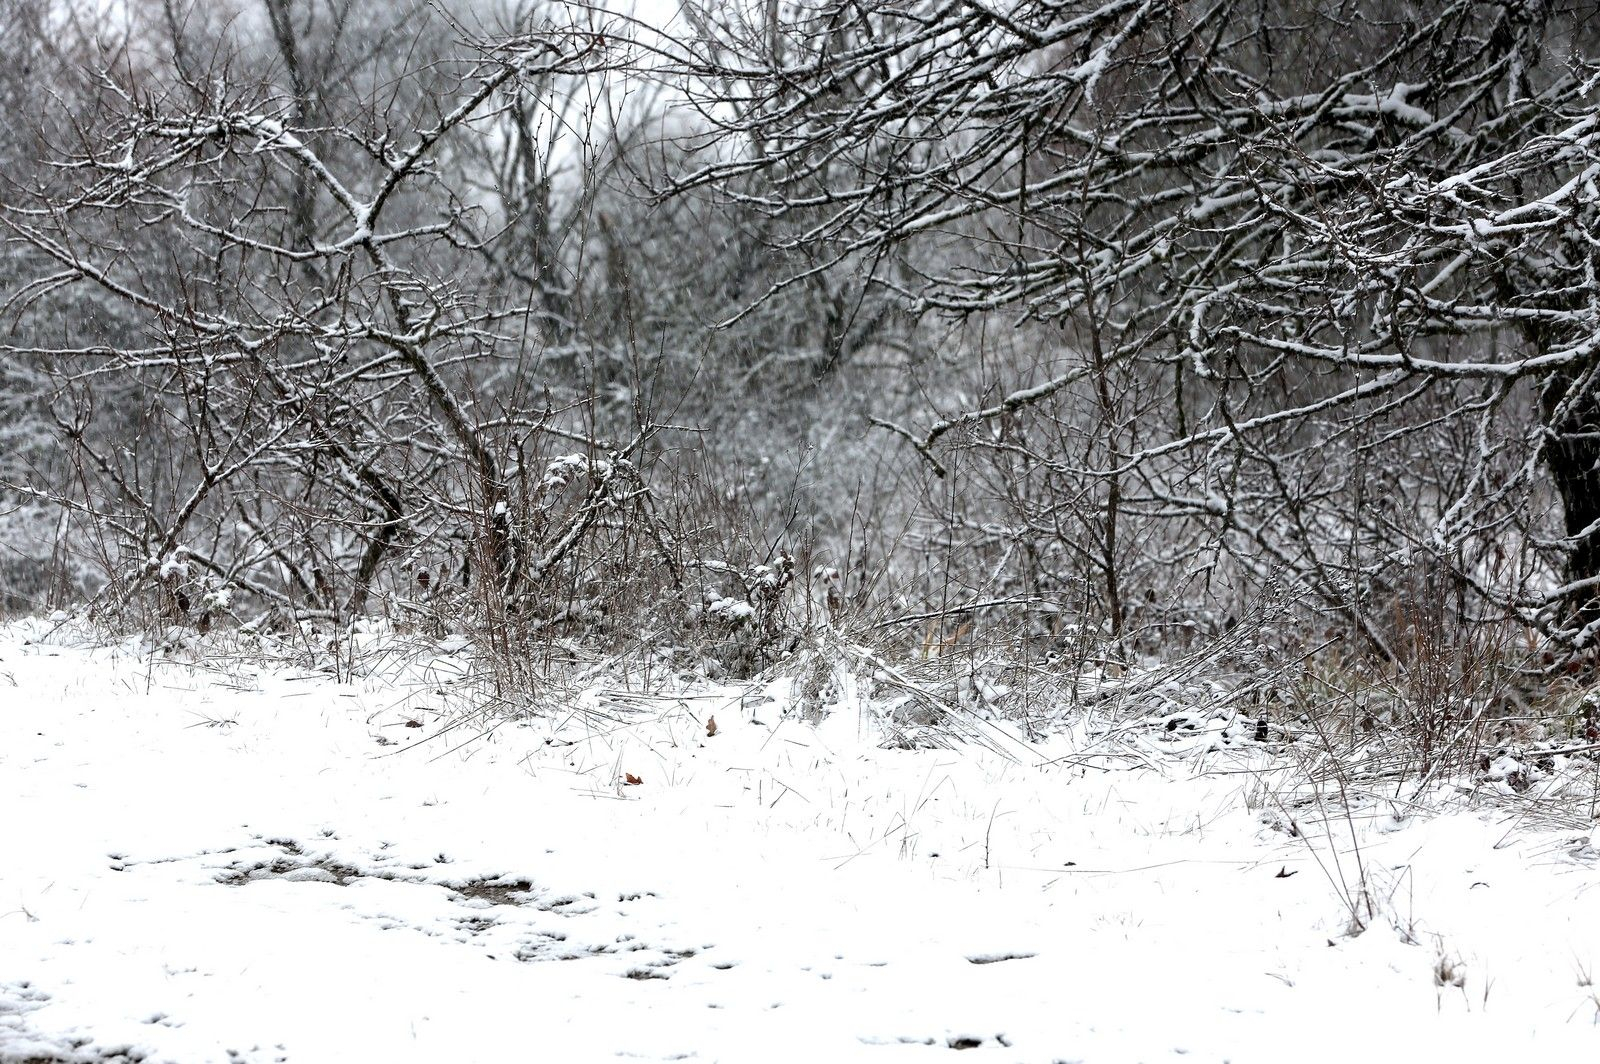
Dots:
{"x": 648, "y": 973}
{"x": 501, "y": 891}
{"x": 296, "y": 865}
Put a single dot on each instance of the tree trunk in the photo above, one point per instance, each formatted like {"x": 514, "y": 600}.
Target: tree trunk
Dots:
{"x": 1572, "y": 455}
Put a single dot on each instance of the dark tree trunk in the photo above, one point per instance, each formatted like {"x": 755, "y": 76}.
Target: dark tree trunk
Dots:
{"x": 1572, "y": 454}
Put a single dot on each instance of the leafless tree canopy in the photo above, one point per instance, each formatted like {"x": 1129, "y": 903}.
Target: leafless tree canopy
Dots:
{"x": 1317, "y": 277}
{"x": 1110, "y": 313}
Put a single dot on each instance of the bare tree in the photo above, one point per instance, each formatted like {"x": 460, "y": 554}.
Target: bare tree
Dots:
{"x": 1292, "y": 252}
{"x": 299, "y": 266}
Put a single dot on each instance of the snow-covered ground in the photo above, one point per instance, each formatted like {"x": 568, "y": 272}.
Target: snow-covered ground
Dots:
{"x": 209, "y": 860}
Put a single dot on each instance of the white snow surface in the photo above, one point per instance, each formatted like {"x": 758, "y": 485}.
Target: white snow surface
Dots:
{"x": 212, "y": 860}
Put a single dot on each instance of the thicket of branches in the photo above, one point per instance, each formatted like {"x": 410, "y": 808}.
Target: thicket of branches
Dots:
{"x": 1089, "y": 322}
{"x": 1313, "y": 282}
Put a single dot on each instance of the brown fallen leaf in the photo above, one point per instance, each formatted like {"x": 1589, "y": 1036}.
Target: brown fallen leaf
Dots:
{"x": 631, "y": 780}
{"x": 711, "y": 726}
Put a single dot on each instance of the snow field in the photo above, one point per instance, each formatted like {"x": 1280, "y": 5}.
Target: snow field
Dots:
{"x": 205, "y": 861}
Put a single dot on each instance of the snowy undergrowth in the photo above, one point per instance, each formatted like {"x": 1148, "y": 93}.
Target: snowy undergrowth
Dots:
{"x": 233, "y": 861}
